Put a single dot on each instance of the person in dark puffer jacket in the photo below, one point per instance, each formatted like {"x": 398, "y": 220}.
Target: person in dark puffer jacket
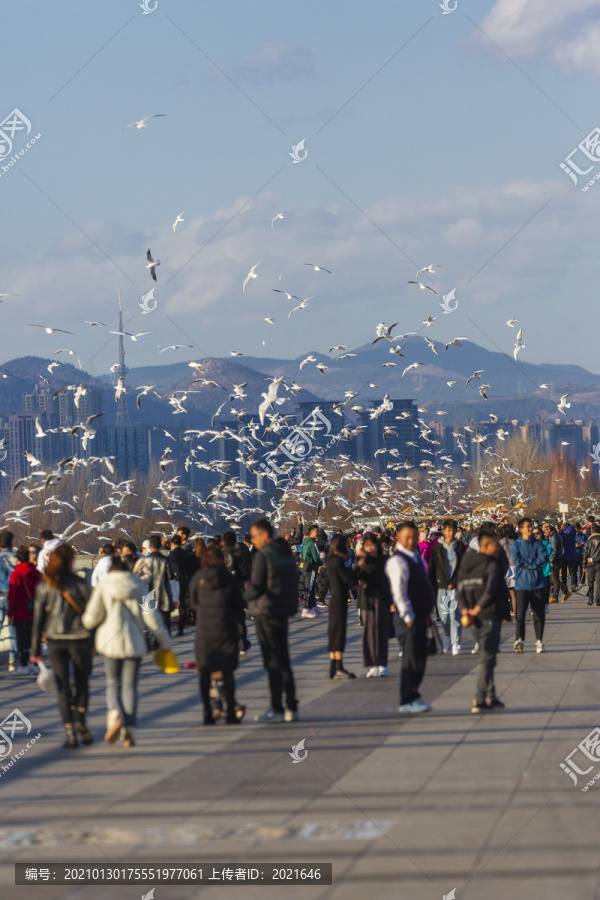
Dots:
{"x": 219, "y": 607}
{"x": 272, "y": 598}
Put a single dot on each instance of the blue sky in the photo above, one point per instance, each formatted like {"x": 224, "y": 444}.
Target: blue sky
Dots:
{"x": 449, "y": 154}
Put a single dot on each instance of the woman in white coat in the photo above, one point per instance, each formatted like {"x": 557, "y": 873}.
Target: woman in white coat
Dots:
{"x": 120, "y": 613}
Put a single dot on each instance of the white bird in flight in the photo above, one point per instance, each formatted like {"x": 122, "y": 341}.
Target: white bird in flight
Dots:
{"x": 301, "y": 306}
{"x": 318, "y": 268}
{"x": 307, "y": 360}
{"x": 511, "y": 323}
{"x": 120, "y": 389}
{"x": 412, "y": 366}
{"x": 152, "y": 264}
{"x": 133, "y": 337}
{"x": 280, "y": 216}
{"x": 270, "y": 321}
{"x": 424, "y": 287}
{"x": 178, "y": 220}
{"x": 519, "y": 344}
{"x": 251, "y": 274}
{"x": 49, "y": 330}
{"x": 141, "y": 124}
{"x": 270, "y": 398}
{"x": 176, "y": 347}
{"x": 430, "y": 269}
{"x": 563, "y": 404}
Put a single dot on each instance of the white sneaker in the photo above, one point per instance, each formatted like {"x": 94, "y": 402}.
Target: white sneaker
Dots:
{"x": 446, "y": 644}
{"x": 373, "y": 672}
{"x": 475, "y": 649}
{"x": 455, "y": 649}
{"x": 21, "y": 670}
{"x": 308, "y": 614}
{"x": 382, "y": 672}
{"x": 539, "y": 647}
{"x": 407, "y": 709}
{"x": 270, "y": 716}
{"x": 420, "y": 706}
{"x": 400, "y": 655}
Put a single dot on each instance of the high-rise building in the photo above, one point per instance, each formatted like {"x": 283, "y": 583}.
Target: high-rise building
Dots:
{"x": 121, "y": 372}
{"x": 127, "y": 444}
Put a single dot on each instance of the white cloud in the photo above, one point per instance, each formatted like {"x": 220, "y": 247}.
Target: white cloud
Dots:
{"x": 566, "y": 32}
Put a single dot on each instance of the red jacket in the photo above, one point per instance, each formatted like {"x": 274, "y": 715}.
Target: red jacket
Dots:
{"x": 21, "y": 591}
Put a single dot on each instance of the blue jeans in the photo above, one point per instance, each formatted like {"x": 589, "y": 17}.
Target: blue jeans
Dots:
{"x": 121, "y": 687}
{"x": 450, "y": 618}
{"x": 12, "y": 637}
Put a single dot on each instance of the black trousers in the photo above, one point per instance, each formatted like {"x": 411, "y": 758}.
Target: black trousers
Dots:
{"x": 166, "y": 614}
{"x": 229, "y": 688}
{"x": 538, "y": 606}
{"x": 414, "y": 659}
{"x": 593, "y": 582}
{"x": 568, "y": 567}
{"x": 23, "y": 631}
{"x": 555, "y": 579}
{"x": 310, "y": 588}
{"x": 272, "y": 634}
{"x": 62, "y": 653}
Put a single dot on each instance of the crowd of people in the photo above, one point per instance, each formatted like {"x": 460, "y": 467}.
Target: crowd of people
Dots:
{"x": 408, "y": 584}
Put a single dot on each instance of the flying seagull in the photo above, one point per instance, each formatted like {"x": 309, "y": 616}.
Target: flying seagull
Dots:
{"x": 280, "y": 216}
{"x": 49, "y": 330}
{"x": 424, "y": 287}
{"x": 563, "y": 404}
{"x": 152, "y": 264}
{"x": 251, "y": 274}
{"x": 270, "y": 398}
{"x": 519, "y": 344}
{"x": 177, "y": 220}
{"x": 430, "y": 269}
{"x": 141, "y": 124}
{"x": 318, "y": 268}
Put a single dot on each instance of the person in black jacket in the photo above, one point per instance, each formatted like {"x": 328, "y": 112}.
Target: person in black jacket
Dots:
{"x": 444, "y": 561}
{"x": 180, "y": 561}
{"x": 219, "y": 608}
{"x": 60, "y": 599}
{"x": 375, "y": 604}
{"x": 272, "y": 597}
{"x": 591, "y": 565}
{"x": 483, "y": 593}
{"x": 239, "y": 564}
{"x": 340, "y": 577}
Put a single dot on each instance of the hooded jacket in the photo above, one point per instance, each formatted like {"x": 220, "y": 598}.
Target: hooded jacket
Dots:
{"x": 310, "y": 554}
{"x": 219, "y": 607}
{"x": 155, "y": 570}
{"x": 480, "y": 582}
{"x": 529, "y": 558}
{"x": 273, "y": 589}
{"x": 568, "y": 535}
{"x": 556, "y": 543}
{"x": 21, "y": 592}
{"x": 54, "y": 615}
{"x": 115, "y": 610}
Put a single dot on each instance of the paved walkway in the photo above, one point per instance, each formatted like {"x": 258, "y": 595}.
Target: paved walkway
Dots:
{"x": 405, "y": 809}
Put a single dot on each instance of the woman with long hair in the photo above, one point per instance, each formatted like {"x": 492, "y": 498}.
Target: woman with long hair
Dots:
{"x": 374, "y": 602}
{"x": 60, "y": 601}
{"x": 219, "y": 607}
{"x": 119, "y": 610}
{"x": 340, "y": 578}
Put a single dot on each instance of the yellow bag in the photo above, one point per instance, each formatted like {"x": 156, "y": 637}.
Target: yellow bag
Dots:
{"x": 167, "y": 661}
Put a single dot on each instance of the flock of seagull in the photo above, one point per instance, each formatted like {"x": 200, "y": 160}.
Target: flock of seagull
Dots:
{"x": 351, "y": 492}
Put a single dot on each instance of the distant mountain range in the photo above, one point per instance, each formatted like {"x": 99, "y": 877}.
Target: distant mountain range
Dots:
{"x": 514, "y": 391}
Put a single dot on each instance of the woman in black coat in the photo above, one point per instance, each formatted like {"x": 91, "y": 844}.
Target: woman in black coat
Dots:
{"x": 219, "y": 607}
{"x": 374, "y": 602}
{"x": 340, "y": 577}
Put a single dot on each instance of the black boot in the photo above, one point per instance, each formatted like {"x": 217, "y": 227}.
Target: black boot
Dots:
{"x": 340, "y": 672}
{"x": 81, "y": 729}
{"x": 209, "y": 719}
{"x": 71, "y": 740}
{"x": 332, "y": 667}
